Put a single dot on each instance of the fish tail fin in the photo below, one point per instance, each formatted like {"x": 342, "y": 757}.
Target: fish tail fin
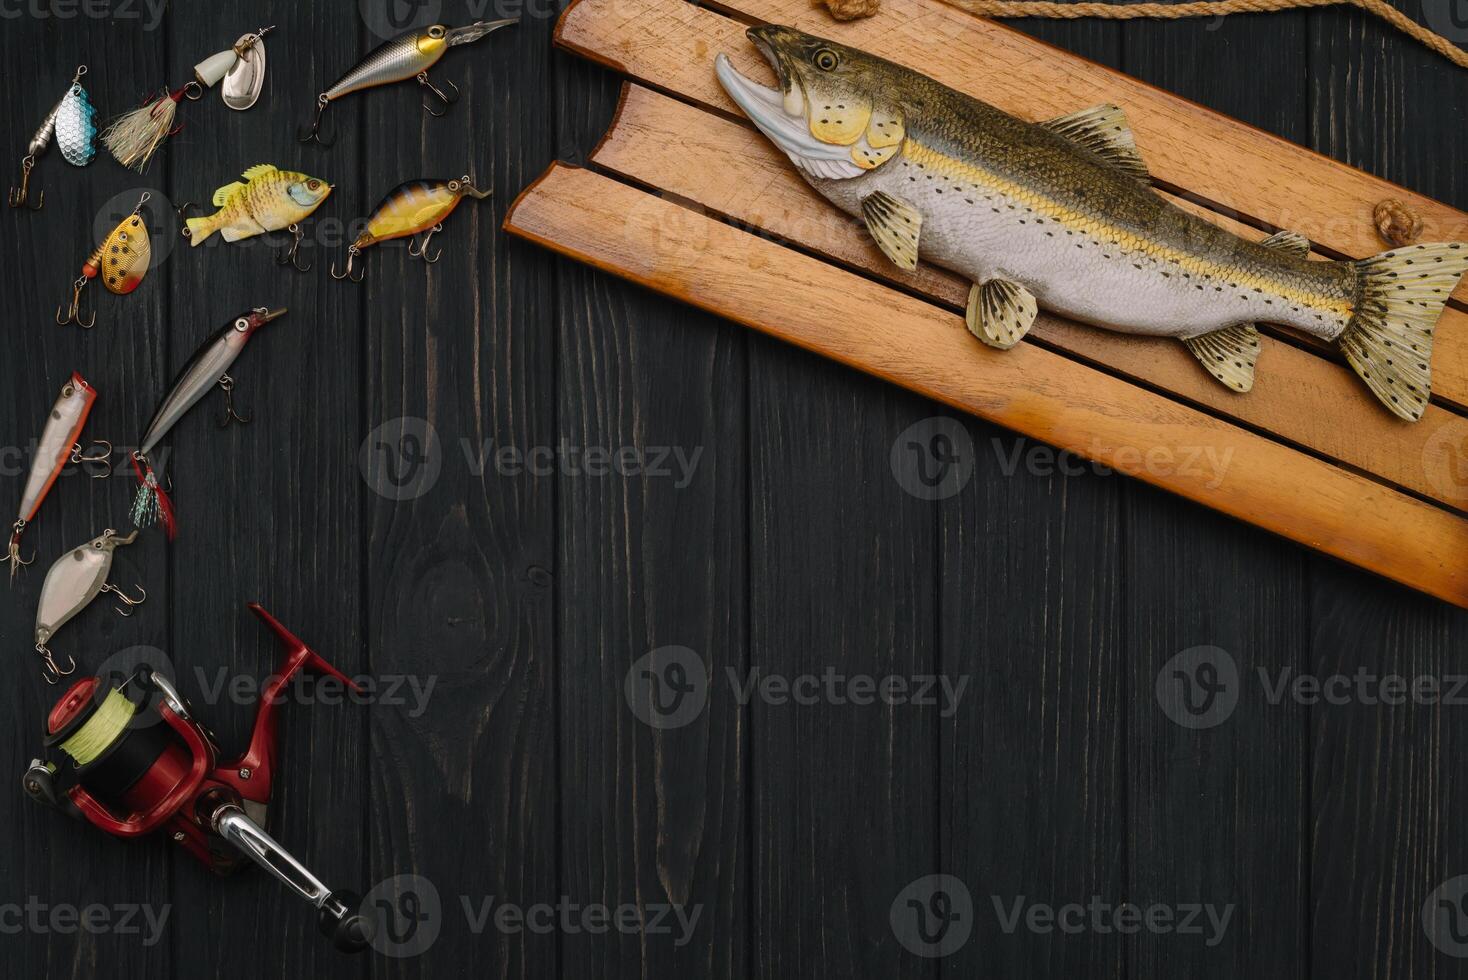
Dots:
{"x": 1389, "y": 337}
{"x": 201, "y": 228}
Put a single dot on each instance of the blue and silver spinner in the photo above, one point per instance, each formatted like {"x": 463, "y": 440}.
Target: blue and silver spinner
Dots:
{"x": 73, "y": 122}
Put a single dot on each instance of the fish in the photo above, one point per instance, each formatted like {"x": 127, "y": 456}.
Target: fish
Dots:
{"x": 1061, "y": 214}
{"x": 268, "y": 199}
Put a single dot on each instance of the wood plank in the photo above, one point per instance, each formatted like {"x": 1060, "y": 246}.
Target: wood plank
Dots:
{"x": 249, "y": 498}
{"x": 1029, "y": 389}
{"x": 461, "y": 576}
{"x": 650, "y": 559}
{"x": 59, "y": 861}
{"x": 733, "y": 171}
{"x": 996, "y": 64}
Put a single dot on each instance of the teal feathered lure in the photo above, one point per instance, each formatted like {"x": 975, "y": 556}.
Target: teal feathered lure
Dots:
{"x": 72, "y": 122}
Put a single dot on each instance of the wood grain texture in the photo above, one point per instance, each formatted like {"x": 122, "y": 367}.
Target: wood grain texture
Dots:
{"x": 1288, "y": 186}
{"x": 733, "y": 171}
{"x": 650, "y": 560}
{"x": 1028, "y": 389}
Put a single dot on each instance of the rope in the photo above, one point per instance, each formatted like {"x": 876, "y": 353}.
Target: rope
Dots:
{"x": 1206, "y": 8}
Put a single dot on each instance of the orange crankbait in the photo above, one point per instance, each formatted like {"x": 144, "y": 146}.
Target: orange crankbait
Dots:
{"x": 410, "y": 208}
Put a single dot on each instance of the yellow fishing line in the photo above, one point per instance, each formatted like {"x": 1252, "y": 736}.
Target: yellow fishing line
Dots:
{"x": 101, "y": 730}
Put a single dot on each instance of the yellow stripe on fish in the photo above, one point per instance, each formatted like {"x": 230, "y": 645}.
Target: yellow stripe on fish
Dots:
{"x": 268, "y": 199}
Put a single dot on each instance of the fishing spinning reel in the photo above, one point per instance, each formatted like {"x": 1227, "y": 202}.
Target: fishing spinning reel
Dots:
{"x": 141, "y": 763}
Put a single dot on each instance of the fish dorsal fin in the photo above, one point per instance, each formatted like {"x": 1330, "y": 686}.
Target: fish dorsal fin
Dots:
{"x": 1000, "y": 312}
{"x": 259, "y": 170}
{"x": 1228, "y": 354}
{"x": 1104, "y": 131}
{"x": 222, "y": 196}
{"x": 1289, "y": 242}
{"x": 896, "y": 225}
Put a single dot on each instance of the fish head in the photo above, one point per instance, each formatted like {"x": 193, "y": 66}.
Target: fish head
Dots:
{"x": 109, "y": 540}
{"x": 306, "y": 191}
{"x": 247, "y": 323}
{"x": 832, "y": 110}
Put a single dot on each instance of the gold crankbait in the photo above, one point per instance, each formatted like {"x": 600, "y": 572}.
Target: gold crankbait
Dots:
{"x": 410, "y": 208}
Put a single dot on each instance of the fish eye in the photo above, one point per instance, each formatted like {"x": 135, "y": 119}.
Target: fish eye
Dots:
{"x": 825, "y": 59}
{"x": 435, "y": 32}
{"x": 242, "y": 324}
{"x": 313, "y": 183}
{"x": 453, "y": 185}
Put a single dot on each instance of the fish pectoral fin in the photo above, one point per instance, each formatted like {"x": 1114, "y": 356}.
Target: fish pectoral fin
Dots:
{"x": 259, "y": 170}
{"x": 1228, "y": 354}
{"x": 222, "y": 196}
{"x": 1289, "y": 242}
{"x": 1104, "y": 131}
{"x": 1000, "y": 312}
{"x": 895, "y": 225}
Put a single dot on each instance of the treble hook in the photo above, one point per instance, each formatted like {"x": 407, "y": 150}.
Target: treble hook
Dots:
{"x": 423, "y": 246}
{"x": 422, "y": 77}
{"x": 13, "y": 553}
{"x": 78, "y": 457}
{"x": 19, "y": 195}
{"x": 230, "y": 415}
{"x": 126, "y": 609}
{"x": 289, "y": 256}
{"x": 50, "y": 670}
{"x": 313, "y": 135}
{"x": 352, "y": 254}
{"x": 73, "y": 312}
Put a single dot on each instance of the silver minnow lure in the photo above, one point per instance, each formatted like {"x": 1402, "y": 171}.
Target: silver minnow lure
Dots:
{"x": 78, "y": 577}
{"x": 208, "y": 367}
{"x": 72, "y": 122}
{"x": 407, "y": 56}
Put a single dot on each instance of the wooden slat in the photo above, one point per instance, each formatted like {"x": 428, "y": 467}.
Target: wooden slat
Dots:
{"x": 1042, "y": 394}
{"x": 732, "y": 170}
{"x": 671, "y": 44}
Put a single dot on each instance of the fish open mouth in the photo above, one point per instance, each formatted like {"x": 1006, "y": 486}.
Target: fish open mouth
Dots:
{"x": 780, "y": 113}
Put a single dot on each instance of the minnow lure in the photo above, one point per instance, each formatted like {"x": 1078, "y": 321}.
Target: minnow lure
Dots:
{"x": 208, "y": 367}
{"x": 78, "y": 577}
{"x": 133, "y": 138}
{"x": 411, "y": 207}
{"x": 267, "y": 199}
{"x": 1060, "y": 214}
{"x": 121, "y": 260}
{"x": 59, "y": 445}
{"x": 407, "y": 56}
{"x": 72, "y": 121}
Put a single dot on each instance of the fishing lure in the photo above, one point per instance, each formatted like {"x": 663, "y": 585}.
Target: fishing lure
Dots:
{"x": 72, "y": 121}
{"x": 121, "y": 260}
{"x": 59, "y": 445}
{"x": 407, "y": 56}
{"x": 208, "y": 367}
{"x": 78, "y": 577}
{"x": 1061, "y": 214}
{"x": 267, "y": 200}
{"x": 411, "y": 207}
{"x": 133, "y": 138}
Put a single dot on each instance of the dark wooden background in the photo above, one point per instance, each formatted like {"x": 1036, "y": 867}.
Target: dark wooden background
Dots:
{"x": 793, "y": 549}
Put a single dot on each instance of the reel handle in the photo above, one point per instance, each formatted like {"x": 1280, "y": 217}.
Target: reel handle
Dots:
{"x": 337, "y": 917}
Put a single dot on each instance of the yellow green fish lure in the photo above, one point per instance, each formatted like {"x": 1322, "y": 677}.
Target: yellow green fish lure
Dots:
{"x": 268, "y": 199}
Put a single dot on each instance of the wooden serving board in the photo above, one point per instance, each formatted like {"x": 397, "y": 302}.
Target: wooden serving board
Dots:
{"x": 690, "y": 200}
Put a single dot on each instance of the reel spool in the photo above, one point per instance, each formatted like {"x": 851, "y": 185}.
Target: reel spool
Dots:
{"x": 136, "y": 762}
